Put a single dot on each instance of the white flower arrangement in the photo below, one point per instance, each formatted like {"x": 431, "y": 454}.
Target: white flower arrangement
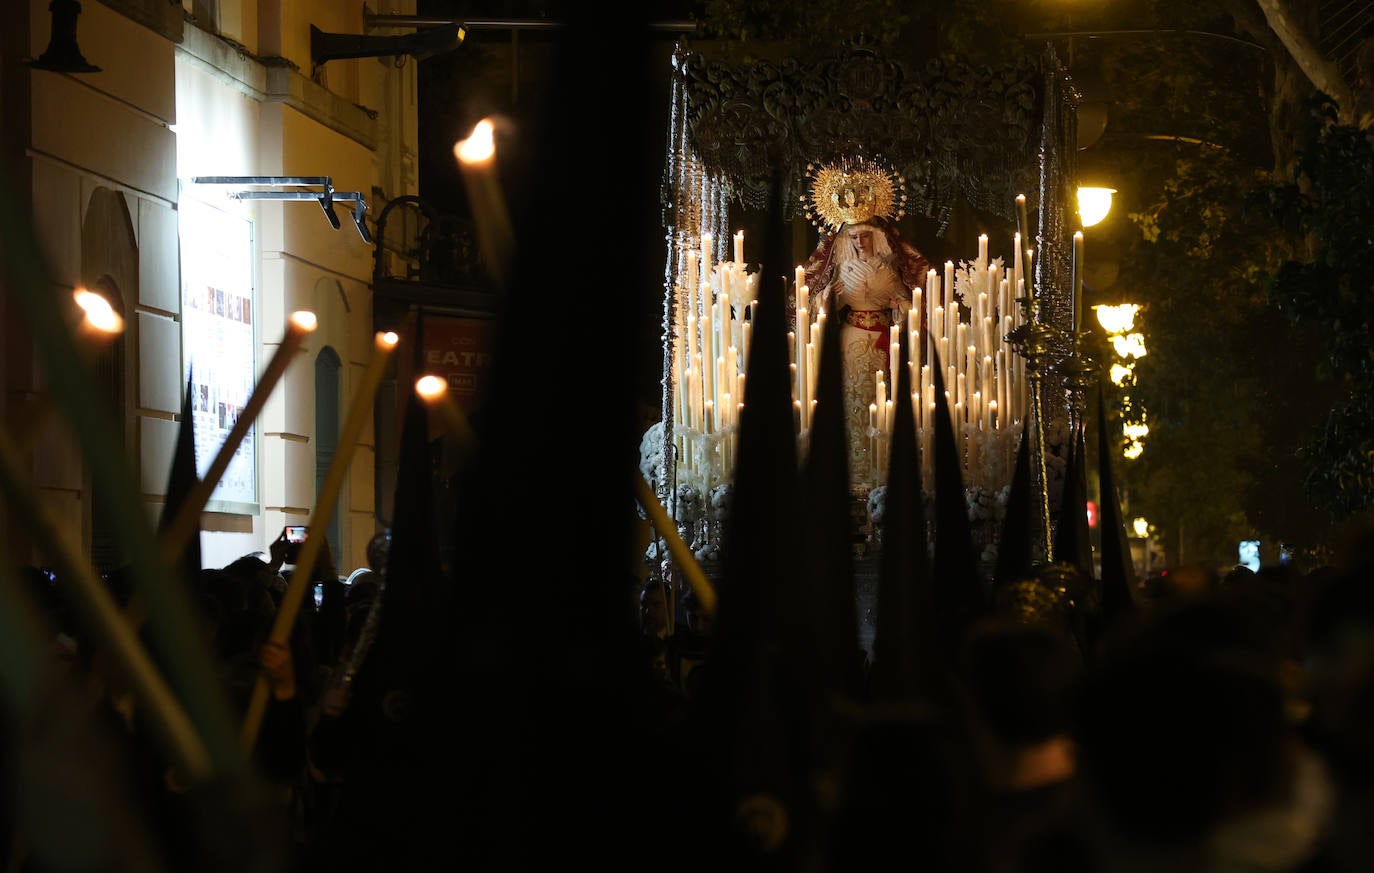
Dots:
{"x": 688, "y": 506}
{"x": 986, "y": 505}
{"x": 651, "y": 454}
{"x": 721, "y": 498}
{"x": 877, "y": 504}
{"x": 709, "y": 552}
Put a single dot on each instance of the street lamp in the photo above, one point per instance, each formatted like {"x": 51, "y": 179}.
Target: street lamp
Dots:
{"x": 1093, "y": 204}
{"x": 1116, "y": 319}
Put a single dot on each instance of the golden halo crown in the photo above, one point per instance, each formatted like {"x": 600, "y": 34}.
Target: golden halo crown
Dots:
{"x": 853, "y": 191}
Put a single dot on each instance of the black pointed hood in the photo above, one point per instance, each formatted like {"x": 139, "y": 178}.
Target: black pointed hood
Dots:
{"x": 1072, "y": 543}
{"x": 183, "y": 478}
{"x": 907, "y": 662}
{"x": 1118, "y": 569}
{"x": 1015, "y": 544}
{"x": 961, "y": 595}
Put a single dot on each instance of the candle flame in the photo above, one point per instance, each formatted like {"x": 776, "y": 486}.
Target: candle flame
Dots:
{"x": 388, "y": 339}
{"x": 99, "y": 314}
{"x": 430, "y": 387}
{"x": 305, "y": 320}
{"x": 480, "y": 146}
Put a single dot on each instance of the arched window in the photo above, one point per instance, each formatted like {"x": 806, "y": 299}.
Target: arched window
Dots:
{"x": 109, "y": 367}
{"x": 327, "y": 401}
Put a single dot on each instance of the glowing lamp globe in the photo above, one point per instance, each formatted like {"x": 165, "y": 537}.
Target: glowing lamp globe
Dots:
{"x": 1094, "y": 204}
{"x": 1116, "y": 319}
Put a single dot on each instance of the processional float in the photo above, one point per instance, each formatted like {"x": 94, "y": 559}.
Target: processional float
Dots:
{"x": 1004, "y": 326}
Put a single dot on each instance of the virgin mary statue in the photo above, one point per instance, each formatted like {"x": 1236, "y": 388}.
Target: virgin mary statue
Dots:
{"x": 863, "y": 272}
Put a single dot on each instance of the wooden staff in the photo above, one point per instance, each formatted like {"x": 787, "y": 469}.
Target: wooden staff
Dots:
{"x": 477, "y": 162}
{"x": 301, "y": 576}
{"x": 101, "y": 615}
{"x": 682, "y": 553}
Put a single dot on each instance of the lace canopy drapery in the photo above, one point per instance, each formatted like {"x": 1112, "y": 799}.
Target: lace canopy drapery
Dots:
{"x": 953, "y": 129}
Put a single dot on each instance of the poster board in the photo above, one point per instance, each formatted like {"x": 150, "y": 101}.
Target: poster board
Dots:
{"x": 219, "y": 342}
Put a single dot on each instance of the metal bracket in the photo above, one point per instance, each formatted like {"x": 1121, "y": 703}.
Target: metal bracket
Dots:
{"x": 326, "y": 197}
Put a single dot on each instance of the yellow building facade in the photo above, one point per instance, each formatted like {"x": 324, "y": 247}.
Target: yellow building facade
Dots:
{"x": 109, "y": 161}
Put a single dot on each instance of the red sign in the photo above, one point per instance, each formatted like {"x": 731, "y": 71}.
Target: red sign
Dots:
{"x": 1092, "y": 513}
{"x": 459, "y": 351}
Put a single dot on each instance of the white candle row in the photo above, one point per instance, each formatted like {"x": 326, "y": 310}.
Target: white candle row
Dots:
{"x": 710, "y": 360}
{"x": 984, "y": 376}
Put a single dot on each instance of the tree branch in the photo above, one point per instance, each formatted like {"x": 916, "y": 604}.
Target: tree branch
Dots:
{"x": 1324, "y": 74}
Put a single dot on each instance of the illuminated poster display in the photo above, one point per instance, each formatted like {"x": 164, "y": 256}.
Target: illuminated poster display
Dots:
{"x": 219, "y": 343}
{"x": 459, "y": 350}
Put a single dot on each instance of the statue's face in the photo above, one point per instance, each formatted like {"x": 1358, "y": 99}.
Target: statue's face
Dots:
{"x": 862, "y": 238}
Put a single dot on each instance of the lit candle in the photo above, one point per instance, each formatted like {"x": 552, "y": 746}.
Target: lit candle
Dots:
{"x": 894, "y": 351}
{"x": 881, "y": 394}
{"x": 708, "y": 339}
{"x": 1077, "y": 283}
{"x": 800, "y": 353}
{"x": 982, "y": 249}
{"x": 723, "y": 383}
{"x": 949, "y": 279}
{"x": 723, "y": 324}
{"x": 739, "y": 247}
{"x": 1022, "y": 221}
{"x": 477, "y": 165}
{"x": 706, "y": 242}
{"x": 873, "y": 440}
{"x": 1017, "y": 264}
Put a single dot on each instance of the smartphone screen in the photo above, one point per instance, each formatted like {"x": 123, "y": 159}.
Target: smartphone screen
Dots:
{"x": 296, "y": 533}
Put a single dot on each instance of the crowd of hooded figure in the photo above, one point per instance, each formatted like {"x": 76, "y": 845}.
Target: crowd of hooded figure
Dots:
{"x": 1225, "y": 724}
{"x": 308, "y": 677}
